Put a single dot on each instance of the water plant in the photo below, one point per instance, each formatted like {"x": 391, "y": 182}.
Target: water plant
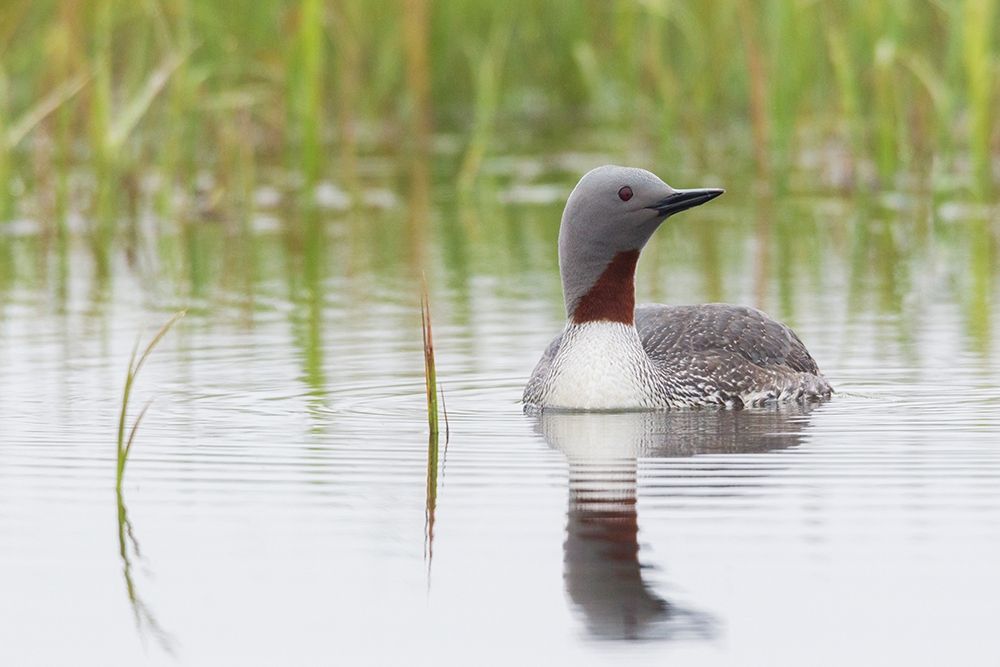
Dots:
{"x": 175, "y": 112}
{"x": 432, "y": 390}
{"x": 982, "y": 70}
{"x": 134, "y": 366}
{"x": 430, "y": 373}
{"x": 128, "y": 544}
{"x": 306, "y": 79}
{"x": 430, "y": 384}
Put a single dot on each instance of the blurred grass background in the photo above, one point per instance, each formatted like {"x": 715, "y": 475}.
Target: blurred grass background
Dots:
{"x": 117, "y": 114}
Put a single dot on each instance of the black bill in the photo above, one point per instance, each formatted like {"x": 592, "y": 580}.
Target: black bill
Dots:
{"x": 681, "y": 200}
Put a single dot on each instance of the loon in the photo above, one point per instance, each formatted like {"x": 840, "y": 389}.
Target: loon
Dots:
{"x": 613, "y": 355}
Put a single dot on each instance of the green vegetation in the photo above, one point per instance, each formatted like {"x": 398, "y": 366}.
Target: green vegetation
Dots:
{"x": 99, "y": 100}
{"x": 430, "y": 374}
{"x": 134, "y": 366}
{"x": 430, "y": 381}
{"x": 218, "y": 153}
{"x": 128, "y": 544}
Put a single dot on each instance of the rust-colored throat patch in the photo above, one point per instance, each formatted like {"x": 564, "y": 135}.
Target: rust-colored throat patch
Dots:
{"x": 612, "y": 297}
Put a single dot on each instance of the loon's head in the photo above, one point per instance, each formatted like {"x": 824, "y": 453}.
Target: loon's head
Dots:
{"x": 610, "y": 215}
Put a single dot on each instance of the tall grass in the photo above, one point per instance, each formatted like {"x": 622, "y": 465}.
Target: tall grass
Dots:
{"x": 306, "y": 78}
{"x": 128, "y": 544}
{"x": 135, "y": 364}
{"x": 982, "y": 70}
{"x": 430, "y": 372}
{"x": 125, "y": 91}
{"x": 431, "y": 387}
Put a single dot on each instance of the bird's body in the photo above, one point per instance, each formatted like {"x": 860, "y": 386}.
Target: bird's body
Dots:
{"x": 613, "y": 356}
{"x": 676, "y": 356}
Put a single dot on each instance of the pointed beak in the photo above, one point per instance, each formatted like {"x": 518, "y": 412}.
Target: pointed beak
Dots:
{"x": 681, "y": 200}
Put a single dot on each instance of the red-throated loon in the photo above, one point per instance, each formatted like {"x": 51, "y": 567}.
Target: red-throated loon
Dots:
{"x": 614, "y": 356}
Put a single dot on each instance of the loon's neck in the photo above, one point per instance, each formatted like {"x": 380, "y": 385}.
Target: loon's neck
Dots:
{"x": 611, "y": 297}
{"x": 601, "y": 364}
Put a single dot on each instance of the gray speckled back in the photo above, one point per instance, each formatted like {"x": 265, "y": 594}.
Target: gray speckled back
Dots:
{"x": 683, "y": 331}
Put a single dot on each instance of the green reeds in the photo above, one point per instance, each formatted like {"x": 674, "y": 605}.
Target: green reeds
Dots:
{"x": 430, "y": 384}
{"x": 183, "y": 88}
{"x": 134, "y": 366}
{"x": 981, "y": 69}
{"x": 430, "y": 374}
{"x": 128, "y": 544}
{"x": 306, "y": 75}
{"x": 488, "y": 67}
{"x": 5, "y": 200}
{"x": 12, "y": 134}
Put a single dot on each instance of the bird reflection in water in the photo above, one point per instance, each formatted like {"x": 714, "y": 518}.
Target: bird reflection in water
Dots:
{"x": 602, "y": 569}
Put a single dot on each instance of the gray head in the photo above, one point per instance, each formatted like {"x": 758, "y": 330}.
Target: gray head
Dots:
{"x": 610, "y": 215}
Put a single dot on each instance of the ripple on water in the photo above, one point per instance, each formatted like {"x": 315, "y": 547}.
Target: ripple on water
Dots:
{"x": 278, "y": 452}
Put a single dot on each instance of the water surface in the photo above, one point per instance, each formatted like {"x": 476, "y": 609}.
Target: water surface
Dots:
{"x": 279, "y": 507}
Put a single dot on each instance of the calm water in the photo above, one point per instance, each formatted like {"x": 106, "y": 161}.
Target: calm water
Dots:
{"x": 279, "y": 507}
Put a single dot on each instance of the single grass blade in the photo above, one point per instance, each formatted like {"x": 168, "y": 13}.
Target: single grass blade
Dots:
{"x": 135, "y": 428}
{"x": 129, "y": 117}
{"x": 126, "y": 394}
{"x": 430, "y": 379}
{"x": 444, "y": 409}
{"x": 124, "y": 447}
{"x": 430, "y": 374}
{"x": 156, "y": 339}
{"x": 20, "y": 128}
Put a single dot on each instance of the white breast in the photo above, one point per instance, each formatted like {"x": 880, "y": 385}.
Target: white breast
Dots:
{"x": 599, "y": 366}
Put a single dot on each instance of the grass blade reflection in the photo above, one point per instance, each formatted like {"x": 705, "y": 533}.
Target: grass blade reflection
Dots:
{"x": 127, "y": 542}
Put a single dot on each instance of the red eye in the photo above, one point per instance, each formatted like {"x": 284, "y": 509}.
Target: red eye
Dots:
{"x": 625, "y": 193}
